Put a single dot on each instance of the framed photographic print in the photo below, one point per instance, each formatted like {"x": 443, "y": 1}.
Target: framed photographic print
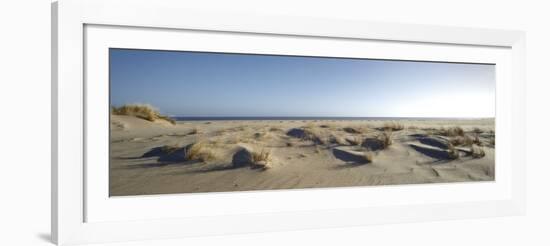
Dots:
{"x": 171, "y": 123}
{"x": 238, "y": 122}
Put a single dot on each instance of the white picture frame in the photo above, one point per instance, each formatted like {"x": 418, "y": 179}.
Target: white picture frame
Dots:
{"x": 82, "y": 213}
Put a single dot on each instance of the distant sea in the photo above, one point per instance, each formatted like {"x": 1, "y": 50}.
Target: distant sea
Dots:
{"x": 232, "y": 118}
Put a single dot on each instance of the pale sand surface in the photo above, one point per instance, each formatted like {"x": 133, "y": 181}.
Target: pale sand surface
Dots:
{"x": 297, "y": 163}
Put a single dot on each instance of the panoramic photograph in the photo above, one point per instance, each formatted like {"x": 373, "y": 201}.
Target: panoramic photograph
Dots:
{"x": 195, "y": 122}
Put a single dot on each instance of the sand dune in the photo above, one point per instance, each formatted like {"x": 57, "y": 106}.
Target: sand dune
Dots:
{"x": 161, "y": 158}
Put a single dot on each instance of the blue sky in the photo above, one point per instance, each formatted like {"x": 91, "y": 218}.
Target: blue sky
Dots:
{"x": 221, "y": 84}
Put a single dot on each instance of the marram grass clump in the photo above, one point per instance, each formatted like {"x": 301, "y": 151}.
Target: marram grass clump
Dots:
{"x": 452, "y": 152}
{"x": 199, "y": 151}
{"x": 477, "y": 152}
{"x": 262, "y": 156}
{"x": 393, "y": 126}
{"x": 452, "y": 131}
{"x": 386, "y": 139}
{"x": 143, "y": 111}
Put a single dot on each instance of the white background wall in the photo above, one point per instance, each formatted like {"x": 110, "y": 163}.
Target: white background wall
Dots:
{"x": 25, "y": 127}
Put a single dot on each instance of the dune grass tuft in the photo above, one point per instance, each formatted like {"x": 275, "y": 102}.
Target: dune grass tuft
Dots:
{"x": 143, "y": 111}
{"x": 476, "y": 140}
{"x": 461, "y": 141}
{"x": 393, "y": 126}
{"x": 317, "y": 149}
{"x": 311, "y": 134}
{"x": 275, "y": 129}
{"x": 334, "y": 139}
{"x": 368, "y": 157}
{"x": 412, "y": 127}
{"x": 262, "y": 155}
{"x": 477, "y": 130}
{"x": 199, "y": 151}
{"x": 326, "y": 126}
{"x": 193, "y": 131}
{"x": 386, "y": 139}
{"x": 465, "y": 140}
{"x": 310, "y": 125}
{"x": 355, "y": 140}
{"x": 166, "y": 118}
{"x": 477, "y": 152}
{"x": 317, "y": 138}
{"x": 262, "y": 159}
{"x": 452, "y": 152}
{"x": 352, "y": 130}
{"x": 452, "y": 131}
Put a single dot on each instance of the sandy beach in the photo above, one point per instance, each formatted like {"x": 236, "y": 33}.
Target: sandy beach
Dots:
{"x": 158, "y": 157}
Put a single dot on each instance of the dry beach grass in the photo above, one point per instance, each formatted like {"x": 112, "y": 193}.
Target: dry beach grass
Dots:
{"x": 143, "y": 111}
{"x": 150, "y": 157}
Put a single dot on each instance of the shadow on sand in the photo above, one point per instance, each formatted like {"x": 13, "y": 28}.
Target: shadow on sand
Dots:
{"x": 437, "y": 142}
{"x": 215, "y": 169}
{"x": 175, "y": 155}
{"x": 160, "y": 164}
{"x": 373, "y": 144}
{"x": 351, "y": 158}
{"x": 441, "y": 156}
{"x": 164, "y": 158}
